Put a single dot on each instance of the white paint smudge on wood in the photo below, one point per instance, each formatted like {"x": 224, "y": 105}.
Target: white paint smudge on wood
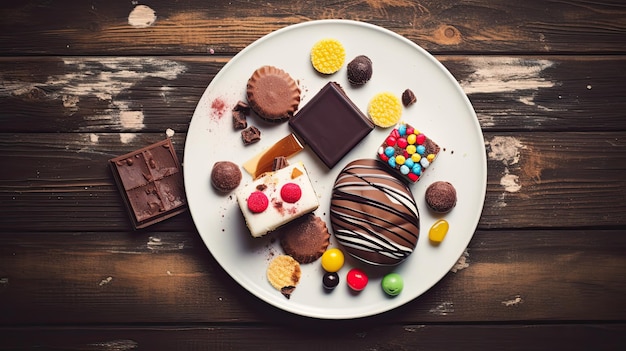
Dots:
{"x": 169, "y": 132}
{"x": 93, "y": 138}
{"x": 510, "y": 182}
{"x": 521, "y": 77}
{"x": 443, "y": 309}
{"x": 506, "y": 75}
{"x": 126, "y": 138}
{"x": 462, "y": 263}
{"x": 513, "y": 302}
{"x": 105, "y": 281}
{"x": 103, "y": 78}
{"x": 142, "y": 16}
{"x": 506, "y": 149}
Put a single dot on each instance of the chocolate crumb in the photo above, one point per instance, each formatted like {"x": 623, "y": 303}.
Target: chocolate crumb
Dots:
{"x": 408, "y": 97}
{"x": 287, "y": 291}
{"x": 280, "y": 162}
{"x": 250, "y": 135}
{"x": 242, "y": 107}
{"x": 239, "y": 120}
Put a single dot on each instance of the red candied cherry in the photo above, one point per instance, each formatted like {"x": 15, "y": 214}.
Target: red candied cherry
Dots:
{"x": 357, "y": 279}
{"x": 291, "y": 192}
{"x": 258, "y": 202}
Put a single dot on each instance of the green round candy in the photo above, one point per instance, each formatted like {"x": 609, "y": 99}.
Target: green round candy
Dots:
{"x": 392, "y": 284}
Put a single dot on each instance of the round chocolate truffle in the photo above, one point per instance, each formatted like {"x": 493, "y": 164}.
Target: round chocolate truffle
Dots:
{"x": 359, "y": 70}
{"x": 373, "y": 214}
{"x": 441, "y": 197}
{"x": 305, "y": 238}
{"x": 273, "y": 94}
{"x": 225, "y": 176}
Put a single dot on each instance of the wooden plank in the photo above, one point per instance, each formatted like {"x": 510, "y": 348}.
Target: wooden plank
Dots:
{"x": 152, "y": 94}
{"x": 151, "y": 277}
{"x": 162, "y": 27}
{"x": 557, "y": 180}
{"x": 316, "y": 336}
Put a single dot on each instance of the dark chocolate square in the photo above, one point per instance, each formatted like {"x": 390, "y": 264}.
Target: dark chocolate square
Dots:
{"x": 151, "y": 183}
{"x": 331, "y": 124}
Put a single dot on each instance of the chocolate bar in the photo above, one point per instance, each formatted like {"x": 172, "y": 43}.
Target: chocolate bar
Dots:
{"x": 331, "y": 124}
{"x": 150, "y": 181}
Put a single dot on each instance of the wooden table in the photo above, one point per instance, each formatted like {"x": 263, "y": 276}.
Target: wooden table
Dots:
{"x": 82, "y": 82}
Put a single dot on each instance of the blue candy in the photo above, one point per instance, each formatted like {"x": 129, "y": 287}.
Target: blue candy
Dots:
{"x": 402, "y": 129}
{"x": 421, "y": 149}
{"x": 417, "y": 169}
{"x": 390, "y": 151}
{"x": 392, "y": 162}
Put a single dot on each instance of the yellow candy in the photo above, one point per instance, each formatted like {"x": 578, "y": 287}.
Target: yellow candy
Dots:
{"x": 411, "y": 139}
{"x": 430, "y": 157}
{"x": 332, "y": 260}
{"x": 400, "y": 159}
{"x": 411, "y": 149}
{"x": 327, "y": 56}
{"x": 438, "y": 231}
{"x": 416, "y": 157}
{"x": 385, "y": 109}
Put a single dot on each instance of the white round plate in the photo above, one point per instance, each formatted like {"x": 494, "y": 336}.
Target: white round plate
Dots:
{"x": 442, "y": 112}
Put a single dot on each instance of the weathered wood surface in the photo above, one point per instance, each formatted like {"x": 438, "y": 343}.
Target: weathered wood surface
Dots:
{"x": 85, "y": 94}
{"x": 541, "y": 179}
{"x": 226, "y": 27}
{"x": 81, "y": 82}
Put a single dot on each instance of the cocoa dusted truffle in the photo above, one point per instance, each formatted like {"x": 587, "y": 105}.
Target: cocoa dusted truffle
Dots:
{"x": 441, "y": 196}
{"x": 359, "y": 70}
{"x": 225, "y": 176}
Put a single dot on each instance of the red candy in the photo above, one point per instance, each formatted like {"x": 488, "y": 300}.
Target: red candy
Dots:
{"x": 391, "y": 141}
{"x": 290, "y": 192}
{"x": 420, "y": 139}
{"x": 402, "y": 143}
{"x": 413, "y": 177}
{"x": 357, "y": 279}
{"x": 258, "y": 202}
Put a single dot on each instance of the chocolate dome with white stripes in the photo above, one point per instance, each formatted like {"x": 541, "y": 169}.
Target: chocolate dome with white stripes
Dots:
{"x": 373, "y": 214}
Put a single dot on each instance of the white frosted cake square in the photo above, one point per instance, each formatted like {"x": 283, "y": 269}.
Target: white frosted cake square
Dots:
{"x": 276, "y": 198}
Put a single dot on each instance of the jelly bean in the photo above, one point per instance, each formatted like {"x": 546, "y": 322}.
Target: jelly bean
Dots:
{"x": 421, "y": 138}
{"x": 392, "y": 162}
{"x": 357, "y": 279}
{"x": 390, "y": 151}
{"x": 257, "y": 202}
{"x": 409, "y": 163}
{"x": 330, "y": 280}
{"x": 424, "y": 162}
{"x": 290, "y": 193}
{"x": 438, "y": 231}
{"x": 411, "y": 149}
{"x": 417, "y": 169}
{"x": 400, "y": 160}
{"x": 411, "y": 139}
{"x": 391, "y": 141}
{"x": 416, "y": 157}
{"x": 392, "y": 284}
{"x": 394, "y": 133}
{"x": 402, "y": 143}
{"x": 421, "y": 149}
{"x": 404, "y": 169}
{"x": 383, "y": 157}
{"x": 402, "y": 129}
{"x": 332, "y": 260}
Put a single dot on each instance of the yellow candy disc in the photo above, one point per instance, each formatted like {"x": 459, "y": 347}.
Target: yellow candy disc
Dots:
{"x": 385, "y": 109}
{"x": 327, "y": 56}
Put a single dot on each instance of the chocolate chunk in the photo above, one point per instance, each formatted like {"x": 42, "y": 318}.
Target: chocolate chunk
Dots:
{"x": 408, "y": 97}
{"x": 331, "y": 124}
{"x": 239, "y": 120}
{"x": 151, "y": 183}
{"x": 250, "y": 135}
{"x": 280, "y": 162}
{"x": 243, "y": 107}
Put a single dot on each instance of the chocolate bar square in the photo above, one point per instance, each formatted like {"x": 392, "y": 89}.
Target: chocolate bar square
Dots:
{"x": 150, "y": 181}
{"x": 331, "y": 124}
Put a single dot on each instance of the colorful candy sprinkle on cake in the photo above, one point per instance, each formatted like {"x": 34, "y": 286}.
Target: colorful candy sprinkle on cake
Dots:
{"x": 408, "y": 152}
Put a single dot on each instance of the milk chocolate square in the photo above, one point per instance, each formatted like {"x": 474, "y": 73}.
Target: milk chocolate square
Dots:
{"x": 331, "y": 124}
{"x": 150, "y": 181}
